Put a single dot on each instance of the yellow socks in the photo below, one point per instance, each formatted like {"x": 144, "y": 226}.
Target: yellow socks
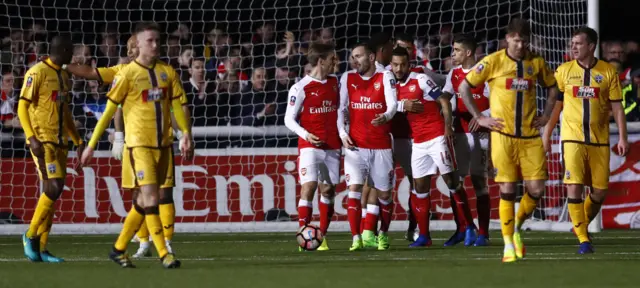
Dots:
{"x": 578, "y": 218}
{"x": 44, "y": 230}
{"x": 527, "y": 205}
{"x": 168, "y": 216}
{"x": 44, "y": 207}
{"x": 131, "y": 224}
{"x": 506, "y": 209}
{"x": 143, "y": 232}
{"x": 591, "y": 208}
{"x": 155, "y": 229}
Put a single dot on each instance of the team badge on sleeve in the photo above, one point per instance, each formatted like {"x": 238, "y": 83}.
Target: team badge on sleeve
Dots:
{"x": 29, "y": 81}
{"x": 392, "y": 82}
{"x": 113, "y": 84}
{"x": 431, "y": 84}
{"x": 292, "y": 101}
{"x": 479, "y": 68}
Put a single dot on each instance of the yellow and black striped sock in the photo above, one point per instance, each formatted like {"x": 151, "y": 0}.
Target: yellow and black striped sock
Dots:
{"x": 591, "y": 208}
{"x": 168, "y": 216}
{"x": 131, "y": 225}
{"x": 44, "y": 207}
{"x": 578, "y": 218}
{"x": 154, "y": 224}
{"x": 44, "y": 230}
{"x": 527, "y": 204}
{"x": 506, "y": 209}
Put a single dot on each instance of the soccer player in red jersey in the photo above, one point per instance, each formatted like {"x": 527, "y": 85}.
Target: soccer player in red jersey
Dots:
{"x": 471, "y": 147}
{"x": 368, "y": 99}
{"x": 432, "y": 137}
{"x": 312, "y": 113}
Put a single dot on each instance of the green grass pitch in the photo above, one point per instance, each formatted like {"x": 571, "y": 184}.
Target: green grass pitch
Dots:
{"x": 272, "y": 260}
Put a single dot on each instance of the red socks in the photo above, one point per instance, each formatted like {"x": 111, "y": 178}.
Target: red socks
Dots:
{"x": 326, "y": 213}
{"x": 305, "y": 212}
{"x": 386, "y": 212}
{"x": 354, "y": 212}
{"x": 421, "y": 207}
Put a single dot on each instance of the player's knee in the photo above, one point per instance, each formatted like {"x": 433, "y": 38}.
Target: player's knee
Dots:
{"x": 421, "y": 186}
{"x": 166, "y": 196}
{"x": 536, "y": 194}
{"x": 327, "y": 190}
{"x": 384, "y": 197}
{"x": 53, "y": 189}
{"x": 451, "y": 180}
{"x": 598, "y": 195}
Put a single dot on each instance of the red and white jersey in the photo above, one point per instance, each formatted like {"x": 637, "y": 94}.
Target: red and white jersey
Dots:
{"x": 429, "y": 124}
{"x": 461, "y": 113}
{"x": 8, "y": 106}
{"x": 313, "y": 108}
{"x": 362, "y": 98}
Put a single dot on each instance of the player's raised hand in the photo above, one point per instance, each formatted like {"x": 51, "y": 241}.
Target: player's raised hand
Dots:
{"x": 87, "y": 155}
{"x": 491, "y": 123}
{"x": 413, "y": 106}
{"x": 186, "y": 147}
{"x": 118, "y": 145}
{"x": 314, "y": 140}
{"x": 347, "y": 142}
{"x": 540, "y": 121}
{"x": 623, "y": 147}
{"x": 36, "y": 147}
{"x": 379, "y": 120}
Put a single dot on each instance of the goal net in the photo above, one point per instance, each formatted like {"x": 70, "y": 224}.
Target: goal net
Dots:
{"x": 244, "y": 175}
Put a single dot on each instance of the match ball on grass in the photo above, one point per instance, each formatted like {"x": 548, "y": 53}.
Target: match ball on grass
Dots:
{"x": 309, "y": 237}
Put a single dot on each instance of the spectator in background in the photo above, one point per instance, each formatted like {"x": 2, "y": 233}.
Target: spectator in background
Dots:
{"x": 445, "y": 37}
{"x": 631, "y": 47}
{"x": 617, "y": 64}
{"x": 288, "y": 48}
{"x": 614, "y": 50}
{"x": 173, "y": 51}
{"x": 264, "y": 45}
{"x": 108, "y": 51}
{"x": 233, "y": 64}
{"x": 202, "y": 98}
{"x": 81, "y": 56}
{"x": 631, "y": 97}
{"x": 428, "y": 53}
{"x": 257, "y": 105}
{"x": 88, "y": 109}
{"x": 184, "y": 61}
{"x": 183, "y": 33}
{"x": 213, "y": 42}
{"x": 8, "y": 101}
{"x": 480, "y": 52}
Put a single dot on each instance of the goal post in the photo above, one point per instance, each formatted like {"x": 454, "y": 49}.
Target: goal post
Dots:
{"x": 244, "y": 178}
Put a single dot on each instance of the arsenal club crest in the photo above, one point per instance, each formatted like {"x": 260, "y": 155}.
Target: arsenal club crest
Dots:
{"x": 598, "y": 78}
{"x": 335, "y": 88}
{"x": 303, "y": 171}
{"x": 412, "y": 88}
{"x": 376, "y": 86}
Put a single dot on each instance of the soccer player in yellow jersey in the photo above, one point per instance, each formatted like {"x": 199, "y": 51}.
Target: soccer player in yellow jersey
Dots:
{"x": 105, "y": 75}
{"x": 47, "y": 122}
{"x": 146, "y": 89}
{"x": 517, "y": 152}
{"x": 589, "y": 89}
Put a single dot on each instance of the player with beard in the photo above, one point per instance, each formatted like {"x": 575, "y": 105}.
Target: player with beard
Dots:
{"x": 368, "y": 99}
{"x": 432, "y": 135}
{"x": 471, "y": 147}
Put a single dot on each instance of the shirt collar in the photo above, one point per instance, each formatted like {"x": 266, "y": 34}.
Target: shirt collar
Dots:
{"x": 51, "y": 64}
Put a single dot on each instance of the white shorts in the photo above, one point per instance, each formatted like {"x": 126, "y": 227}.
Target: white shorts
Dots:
{"x": 431, "y": 157}
{"x": 374, "y": 165}
{"x": 319, "y": 165}
{"x": 472, "y": 153}
{"x": 402, "y": 154}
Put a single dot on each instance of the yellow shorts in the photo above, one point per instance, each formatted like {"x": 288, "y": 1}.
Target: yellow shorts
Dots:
{"x": 516, "y": 159}
{"x": 54, "y": 163}
{"x": 146, "y": 166}
{"x": 586, "y": 164}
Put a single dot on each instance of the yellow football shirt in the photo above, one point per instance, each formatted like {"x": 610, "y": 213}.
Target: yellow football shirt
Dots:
{"x": 587, "y": 93}
{"x": 145, "y": 94}
{"x": 46, "y": 86}
{"x": 106, "y": 74}
{"x": 512, "y": 89}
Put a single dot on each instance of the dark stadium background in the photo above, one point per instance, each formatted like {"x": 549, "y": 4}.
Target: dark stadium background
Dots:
{"x": 351, "y": 18}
